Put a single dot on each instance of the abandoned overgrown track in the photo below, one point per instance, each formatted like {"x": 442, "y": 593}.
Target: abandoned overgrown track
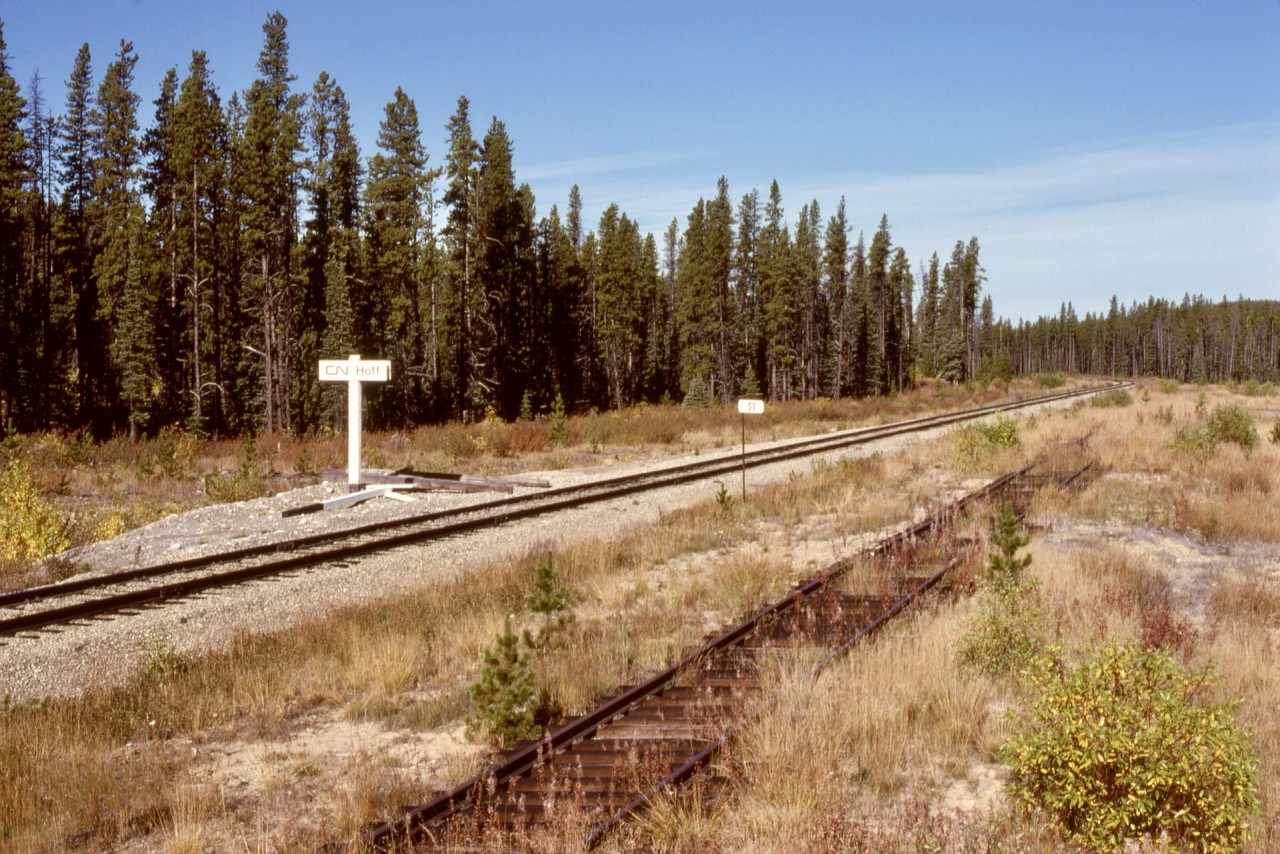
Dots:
{"x": 582, "y": 779}
{"x": 88, "y": 596}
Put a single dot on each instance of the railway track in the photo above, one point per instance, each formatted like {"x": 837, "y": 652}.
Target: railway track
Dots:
{"x": 586, "y": 777}
{"x": 91, "y": 596}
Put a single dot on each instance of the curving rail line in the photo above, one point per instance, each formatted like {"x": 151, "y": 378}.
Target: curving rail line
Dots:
{"x": 84, "y": 597}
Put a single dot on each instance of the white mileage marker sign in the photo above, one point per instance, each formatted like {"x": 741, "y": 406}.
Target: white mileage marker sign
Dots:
{"x": 747, "y": 406}
{"x": 353, "y": 371}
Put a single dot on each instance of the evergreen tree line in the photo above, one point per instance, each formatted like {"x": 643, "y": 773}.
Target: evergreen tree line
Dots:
{"x": 194, "y": 271}
{"x": 1196, "y": 340}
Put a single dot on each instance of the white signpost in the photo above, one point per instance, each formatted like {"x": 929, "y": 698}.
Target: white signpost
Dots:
{"x": 353, "y": 372}
{"x": 747, "y": 406}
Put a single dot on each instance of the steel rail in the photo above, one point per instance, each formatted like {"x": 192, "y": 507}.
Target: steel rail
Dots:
{"x": 328, "y": 547}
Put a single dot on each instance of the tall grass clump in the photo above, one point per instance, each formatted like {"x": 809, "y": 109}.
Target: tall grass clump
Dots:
{"x": 1121, "y": 748}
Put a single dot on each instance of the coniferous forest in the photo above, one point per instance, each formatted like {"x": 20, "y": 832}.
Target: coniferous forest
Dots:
{"x": 188, "y": 261}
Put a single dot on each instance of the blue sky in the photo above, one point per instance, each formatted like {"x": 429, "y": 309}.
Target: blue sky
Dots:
{"x": 1099, "y": 147}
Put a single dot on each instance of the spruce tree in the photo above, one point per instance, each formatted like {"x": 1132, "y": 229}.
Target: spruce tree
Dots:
{"x": 116, "y": 150}
{"x": 1005, "y": 565}
{"x": 330, "y": 249}
{"x": 812, "y": 305}
{"x": 901, "y": 287}
{"x": 883, "y": 305}
{"x": 750, "y": 346}
{"x": 780, "y": 298}
{"x": 395, "y": 230}
{"x": 268, "y": 180}
{"x": 199, "y": 138}
{"x": 76, "y": 306}
{"x": 620, "y": 304}
{"x": 705, "y": 303}
{"x": 835, "y": 260}
{"x": 925, "y": 342}
{"x": 14, "y": 175}
{"x": 504, "y": 238}
{"x": 465, "y": 301}
{"x": 133, "y": 347}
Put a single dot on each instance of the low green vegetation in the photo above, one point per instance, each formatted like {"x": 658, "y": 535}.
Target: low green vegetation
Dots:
{"x": 979, "y": 445}
{"x": 1111, "y": 397}
{"x": 1009, "y": 629}
{"x": 1049, "y": 379}
{"x": 1231, "y": 423}
{"x": 1122, "y": 746}
{"x": 1118, "y": 745}
{"x": 1228, "y": 423}
{"x": 243, "y": 484}
{"x": 30, "y": 525}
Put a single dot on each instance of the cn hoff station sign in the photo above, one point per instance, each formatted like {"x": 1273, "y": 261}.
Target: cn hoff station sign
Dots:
{"x": 353, "y": 371}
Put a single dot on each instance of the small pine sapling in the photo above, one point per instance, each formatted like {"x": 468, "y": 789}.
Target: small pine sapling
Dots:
{"x": 557, "y": 429}
{"x": 1008, "y": 631}
{"x": 505, "y": 695}
{"x": 549, "y": 599}
{"x": 1005, "y": 566}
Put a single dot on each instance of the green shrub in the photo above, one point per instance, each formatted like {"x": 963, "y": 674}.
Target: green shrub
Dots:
{"x": 1164, "y": 385}
{"x": 1050, "y": 379}
{"x": 1252, "y": 388}
{"x": 1120, "y": 747}
{"x": 1194, "y": 441}
{"x": 244, "y": 484}
{"x": 1164, "y": 415}
{"x": 977, "y": 444}
{"x": 1112, "y": 397}
{"x": 1231, "y": 422}
{"x": 30, "y": 526}
{"x": 1275, "y": 433}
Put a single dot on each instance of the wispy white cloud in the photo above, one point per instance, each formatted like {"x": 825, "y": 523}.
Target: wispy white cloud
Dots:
{"x": 1192, "y": 213}
{"x": 1187, "y": 213}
